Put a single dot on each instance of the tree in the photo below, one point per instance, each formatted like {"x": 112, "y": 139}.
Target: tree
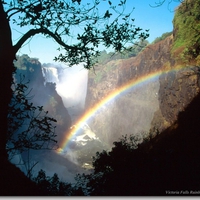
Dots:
{"x": 52, "y": 186}
{"x": 43, "y": 182}
{"x": 116, "y": 172}
{"x": 57, "y": 19}
{"x": 30, "y": 127}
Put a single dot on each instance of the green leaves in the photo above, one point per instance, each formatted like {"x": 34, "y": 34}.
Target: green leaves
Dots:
{"x": 186, "y": 45}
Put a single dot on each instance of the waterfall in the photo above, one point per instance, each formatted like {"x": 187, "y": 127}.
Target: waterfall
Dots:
{"x": 71, "y": 85}
{"x": 50, "y": 74}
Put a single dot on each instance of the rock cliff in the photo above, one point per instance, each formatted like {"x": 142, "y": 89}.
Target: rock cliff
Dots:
{"x": 177, "y": 89}
{"x": 106, "y": 78}
{"x": 41, "y": 94}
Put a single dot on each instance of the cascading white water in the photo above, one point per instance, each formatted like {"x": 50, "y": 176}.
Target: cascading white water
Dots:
{"x": 50, "y": 74}
{"x": 71, "y": 85}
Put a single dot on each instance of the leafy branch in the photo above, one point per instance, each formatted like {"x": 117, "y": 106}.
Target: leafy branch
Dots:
{"x": 30, "y": 127}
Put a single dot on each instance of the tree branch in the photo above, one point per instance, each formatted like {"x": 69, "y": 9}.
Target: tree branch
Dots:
{"x": 44, "y": 31}
{"x": 17, "y": 10}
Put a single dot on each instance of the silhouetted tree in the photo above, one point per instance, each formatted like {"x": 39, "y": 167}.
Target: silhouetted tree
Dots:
{"x": 30, "y": 127}
{"x": 52, "y": 186}
{"x": 65, "y": 189}
{"x": 42, "y": 182}
{"x": 57, "y": 19}
{"x": 116, "y": 171}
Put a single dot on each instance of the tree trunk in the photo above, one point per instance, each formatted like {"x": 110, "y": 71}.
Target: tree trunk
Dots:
{"x": 7, "y": 57}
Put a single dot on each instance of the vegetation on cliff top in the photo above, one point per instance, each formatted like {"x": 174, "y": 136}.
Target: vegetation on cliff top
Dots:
{"x": 108, "y": 62}
{"x": 186, "y": 45}
{"x": 162, "y": 37}
{"x": 131, "y": 51}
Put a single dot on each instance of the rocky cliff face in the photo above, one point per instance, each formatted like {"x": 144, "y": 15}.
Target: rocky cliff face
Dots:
{"x": 134, "y": 110}
{"x": 41, "y": 94}
{"x": 107, "y": 78}
{"x": 151, "y": 107}
{"x": 177, "y": 89}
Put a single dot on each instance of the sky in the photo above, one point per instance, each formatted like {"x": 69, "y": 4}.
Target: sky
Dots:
{"x": 158, "y": 20}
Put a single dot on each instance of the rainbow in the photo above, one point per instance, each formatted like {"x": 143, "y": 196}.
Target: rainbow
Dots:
{"x": 113, "y": 95}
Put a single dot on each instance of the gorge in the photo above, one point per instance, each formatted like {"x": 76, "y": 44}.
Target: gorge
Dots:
{"x": 144, "y": 95}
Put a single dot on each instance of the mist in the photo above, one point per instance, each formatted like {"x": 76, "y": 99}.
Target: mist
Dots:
{"x": 130, "y": 113}
{"x": 71, "y": 85}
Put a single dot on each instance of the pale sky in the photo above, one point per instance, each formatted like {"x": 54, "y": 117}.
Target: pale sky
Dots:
{"x": 158, "y": 20}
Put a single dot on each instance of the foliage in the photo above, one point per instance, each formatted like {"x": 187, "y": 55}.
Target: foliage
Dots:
{"x": 57, "y": 19}
{"x": 186, "y": 46}
{"x": 129, "y": 52}
{"x": 134, "y": 50}
{"x": 110, "y": 167}
{"x": 30, "y": 127}
{"x": 162, "y": 37}
{"x": 52, "y": 186}
{"x": 23, "y": 62}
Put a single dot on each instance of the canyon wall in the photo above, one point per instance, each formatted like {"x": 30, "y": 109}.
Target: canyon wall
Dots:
{"x": 150, "y": 107}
